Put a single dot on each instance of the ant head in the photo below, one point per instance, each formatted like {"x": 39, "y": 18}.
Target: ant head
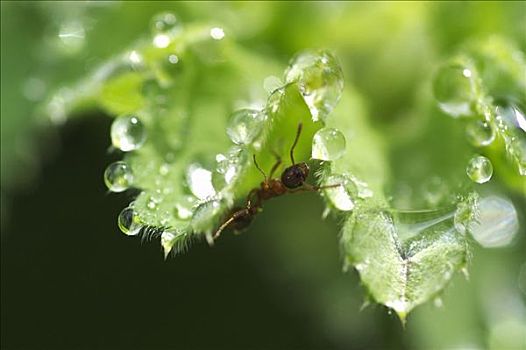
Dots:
{"x": 295, "y": 175}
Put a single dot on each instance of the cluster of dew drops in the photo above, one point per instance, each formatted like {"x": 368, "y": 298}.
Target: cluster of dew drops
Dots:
{"x": 320, "y": 82}
{"x": 456, "y": 88}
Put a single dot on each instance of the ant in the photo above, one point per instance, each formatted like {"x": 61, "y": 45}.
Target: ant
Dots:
{"x": 292, "y": 180}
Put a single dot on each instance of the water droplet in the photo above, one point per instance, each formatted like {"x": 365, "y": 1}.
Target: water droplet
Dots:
{"x": 72, "y": 36}
{"x": 135, "y": 59}
{"x": 204, "y": 217}
{"x": 328, "y": 144}
{"x": 453, "y": 87}
{"x": 497, "y": 222}
{"x": 480, "y": 133}
{"x": 161, "y": 41}
{"x": 274, "y": 100}
{"x": 438, "y": 302}
{"x": 165, "y": 22}
{"x": 173, "y": 59}
{"x": 342, "y": 197}
{"x": 320, "y": 80}
{"x": 184, "y": 207}
{"x": 245, "y": 126}
{"x": 228, "y": 167}
{"x": 272, "y": 83}
{"x": 168, "y": 239}
{"x": 217, "y": 33}
{"x": 479, "y": 169}
{"x": 118, "y": 176}
{"x": 200, "y": 181}
{"x": 128, "y": 133}
{"x": 129, "y": 222}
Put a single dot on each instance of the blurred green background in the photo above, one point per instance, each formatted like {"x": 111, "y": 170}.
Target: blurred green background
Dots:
{"x": 71, "y": 280}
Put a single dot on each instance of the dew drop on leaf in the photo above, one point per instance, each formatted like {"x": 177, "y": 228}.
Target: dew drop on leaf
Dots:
{"x": 245, "y": 126}
{"x": 118, "y": 176}
{"x": 204, "y": 216}
{"x": 453, "y": 87}
{"x": 128, "y": 133}
{"x": 228, "y": 167}
{"x": 480, "y": 133}
{"x": 320, "y": 80}
{"x": 342, "y": 197}
{"x": 199, "y": 181}
{"x": 184, "y": 207}
{"x": 328, "y": 144}
{"x": 129, "y": 222}
{"x": 479, "y": 169}
{"x": 497, "y": 222}
{"x": 167, "y": 241}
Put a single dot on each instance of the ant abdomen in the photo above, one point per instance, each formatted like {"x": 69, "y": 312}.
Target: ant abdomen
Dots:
{"x": 295, "y": 175}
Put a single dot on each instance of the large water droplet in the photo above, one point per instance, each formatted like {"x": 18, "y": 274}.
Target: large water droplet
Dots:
{"x": 453, "y": 87}
{"x": 480, "y": 133}
{"x": 129, "y": 222}
{"x": 118, "y": 176}
{"x": 200, "y": 181}
{"x": 328, "y": 144}
{"x": 497, "y": 222}
{"x": 342, "y": 197}
{"x": 479, "y": 169}
{"x": 128, "y": 133}
{"x": 245, "y": 126}
{"x": 320, "y": 80}
{"x": 204, "y": 217}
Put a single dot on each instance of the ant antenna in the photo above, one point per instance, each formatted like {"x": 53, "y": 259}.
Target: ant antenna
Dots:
{"x": 300, "y": 125}
{"x": 257, "y": 166}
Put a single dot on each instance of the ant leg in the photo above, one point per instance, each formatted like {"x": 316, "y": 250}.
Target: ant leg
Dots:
{"x": 238, "y": 214}
{"x": 258, "y": 167}
{"x": 298, "y": 132}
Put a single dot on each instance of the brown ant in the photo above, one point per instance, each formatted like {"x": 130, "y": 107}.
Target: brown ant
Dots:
{"x": 292, "y": 180}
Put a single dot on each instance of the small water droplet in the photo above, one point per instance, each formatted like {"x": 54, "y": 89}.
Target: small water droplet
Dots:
{"x": 161, "y": 41}
{"x": 129, "y": 222}
{"x": 200, "y": 181}
{"x": 438, "y": 302}
{"x": 479, "y": 169}
{"x": 480, "y": 133}
{"x": 165, "y": 22}
{"x": 320, "y": 80}
{"x": 184, "y": 207}
{"x": 135, "y": 59}
{"x": 328, "y": 144}
{"x": 128, "y": 133}
{"x": 342, "y": 197}
{"x": 217, "y": 33}
{"x": 173, "y": 59}
{"x": 118, "y": 176}
{"x": 274, "y": 100}
{"x": 245, "y": 126}
{"x": 497, "y": 222}
{"x": 453, "y": 87}
{"x": 204, "y": 217}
